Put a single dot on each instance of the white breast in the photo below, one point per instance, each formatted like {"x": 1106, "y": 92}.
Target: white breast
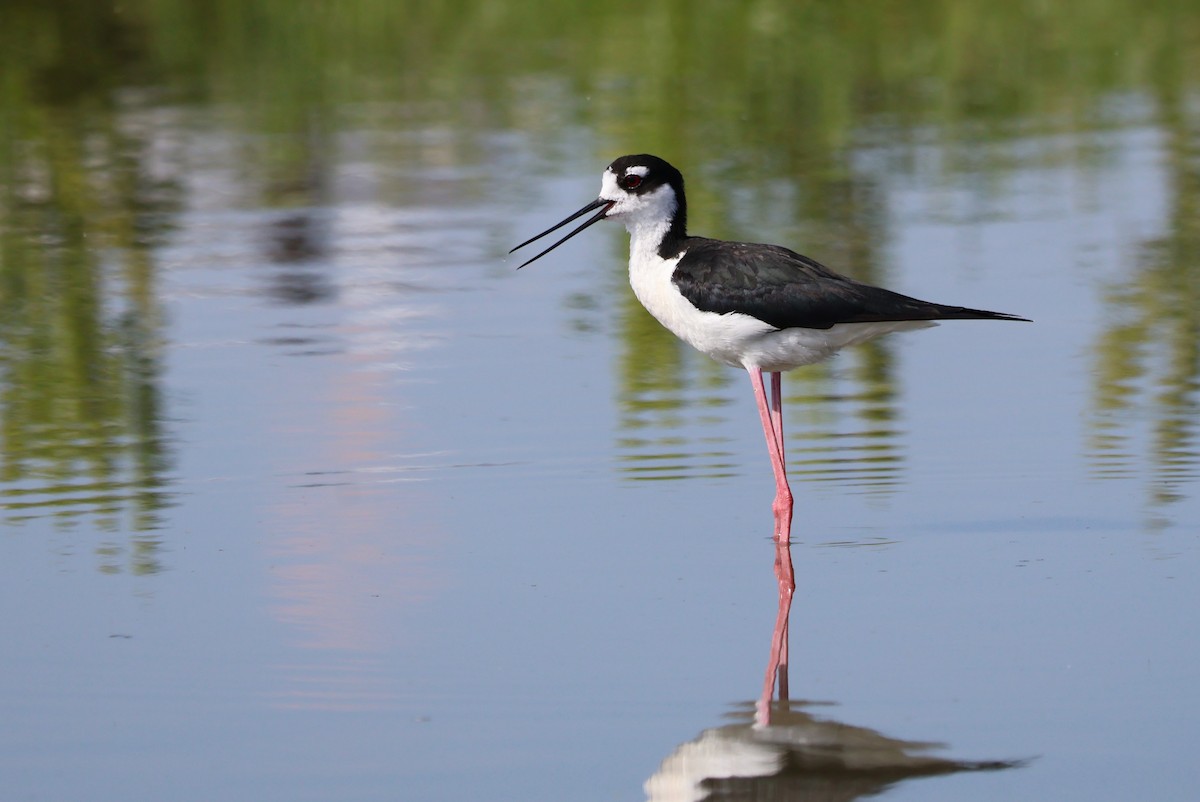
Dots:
{"x": 723, "y": 337}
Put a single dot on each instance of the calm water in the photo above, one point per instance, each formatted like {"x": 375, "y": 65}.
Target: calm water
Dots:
{"x": 308, "y": 495}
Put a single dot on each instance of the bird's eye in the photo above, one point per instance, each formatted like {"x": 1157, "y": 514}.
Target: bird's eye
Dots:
{"x": 631, "y": 181}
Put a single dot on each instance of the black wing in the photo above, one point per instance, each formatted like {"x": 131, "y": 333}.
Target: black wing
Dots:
{"x": 787, "y": 290}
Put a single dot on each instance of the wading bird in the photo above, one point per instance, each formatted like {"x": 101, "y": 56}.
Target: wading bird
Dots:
{"x": 757, "y": 307}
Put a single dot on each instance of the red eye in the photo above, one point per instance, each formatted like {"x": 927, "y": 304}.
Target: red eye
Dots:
{"x": 633, "y": 181}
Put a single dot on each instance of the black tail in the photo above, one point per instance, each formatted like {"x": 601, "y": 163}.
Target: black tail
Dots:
{"x": 943, "y": 312}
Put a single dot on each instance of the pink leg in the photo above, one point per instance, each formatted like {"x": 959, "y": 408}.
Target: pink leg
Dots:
{"x": 777, "y": 410}
{"x": 787, "y": 586}
{"x": 782, "y": 507}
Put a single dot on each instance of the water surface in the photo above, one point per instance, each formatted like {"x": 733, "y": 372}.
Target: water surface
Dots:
{"x": 307, "y": 494}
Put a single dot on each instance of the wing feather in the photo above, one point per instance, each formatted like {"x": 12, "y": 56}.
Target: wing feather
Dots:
{"x": 785, "y": 289}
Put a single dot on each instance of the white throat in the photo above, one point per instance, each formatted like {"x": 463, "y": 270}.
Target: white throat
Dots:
{"x": 645, "y": 237}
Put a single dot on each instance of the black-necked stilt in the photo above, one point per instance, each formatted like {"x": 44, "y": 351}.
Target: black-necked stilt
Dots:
{"x": 758, "y": 307}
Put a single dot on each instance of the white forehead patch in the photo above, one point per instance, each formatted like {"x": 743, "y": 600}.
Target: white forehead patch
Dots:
{"x": 608, "y": 186}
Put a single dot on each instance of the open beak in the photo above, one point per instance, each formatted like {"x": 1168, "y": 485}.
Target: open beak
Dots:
{"x": 596, "y": 204}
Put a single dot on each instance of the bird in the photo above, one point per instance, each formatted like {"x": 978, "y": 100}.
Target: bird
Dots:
{"x": 762, "y": 308}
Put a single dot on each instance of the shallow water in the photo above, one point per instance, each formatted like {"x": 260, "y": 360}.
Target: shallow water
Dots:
{"x": 308, "y": 494}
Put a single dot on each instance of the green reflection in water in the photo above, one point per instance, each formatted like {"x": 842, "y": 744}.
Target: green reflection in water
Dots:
{"x": 80, "y": 213}
{"x": 1147, "y": 360}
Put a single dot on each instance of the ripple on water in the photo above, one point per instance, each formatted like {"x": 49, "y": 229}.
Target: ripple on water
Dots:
{"x": 840, "y": 430}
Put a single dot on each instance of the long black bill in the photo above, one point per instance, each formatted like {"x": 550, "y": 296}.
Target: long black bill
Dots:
{"x": 596, "y": 204}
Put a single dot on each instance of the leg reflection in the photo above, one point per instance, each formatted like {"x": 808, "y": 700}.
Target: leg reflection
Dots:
{"x": 777, "y": 665}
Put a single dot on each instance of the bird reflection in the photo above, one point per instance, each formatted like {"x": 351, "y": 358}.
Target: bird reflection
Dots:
{"x": 775, "y": 749}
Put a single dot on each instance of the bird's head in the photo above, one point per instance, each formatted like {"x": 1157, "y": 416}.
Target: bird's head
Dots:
{"x": 638, "y": 190}
{"x": 642, "y": 188}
